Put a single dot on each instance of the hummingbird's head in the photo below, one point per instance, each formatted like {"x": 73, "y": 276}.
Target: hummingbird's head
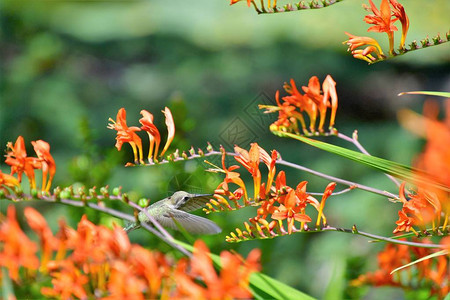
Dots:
{"x": 181, "y": 197}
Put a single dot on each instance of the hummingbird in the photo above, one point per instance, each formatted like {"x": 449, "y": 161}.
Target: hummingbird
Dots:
{"x": 176, "y": 207}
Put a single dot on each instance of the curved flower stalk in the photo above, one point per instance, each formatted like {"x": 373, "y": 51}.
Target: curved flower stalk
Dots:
{"x": 432, "y": 276}
{"x": 315, "y": 101}
{"x": 271, "y": 7}
{"x": 16, "y": 157}
{"x": 382, "y": 20}
{"x": 127, "y": 134}
{"x": 95, "y": 261}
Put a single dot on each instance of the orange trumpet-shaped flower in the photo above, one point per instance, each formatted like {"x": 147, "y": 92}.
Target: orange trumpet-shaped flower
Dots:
{"x": 153, "y": 133}
{"x": 328, "y": 191}
{"x": 48, "y": 242}
{"x": 291, "y": 211}
{"x": 236, "y": 1}
{"x": 399, "y": 12}
{"x": 16, "y": 157}
{"x": 303, "y": 102}
{"x": 329, "y": 92}
{"x": 371, "y": 44}
{"x": 16, "y": 250}
{"x": 170, "y": 129}
{"x": 8, "y": 180}
{"x": 382, "y": 21}
{"x": 127, "y": 134}
{"x": 42, "y": 150}
{"x": 250, "y": 161}
{"x": 231, "y": 283}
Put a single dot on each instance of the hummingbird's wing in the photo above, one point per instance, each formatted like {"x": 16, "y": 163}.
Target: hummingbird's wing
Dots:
{"x": 193, "y": 203}
{"x": 192, "y": 223}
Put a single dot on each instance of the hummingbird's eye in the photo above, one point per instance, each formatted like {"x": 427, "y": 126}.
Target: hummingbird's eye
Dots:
{"x": 185, "y": 198}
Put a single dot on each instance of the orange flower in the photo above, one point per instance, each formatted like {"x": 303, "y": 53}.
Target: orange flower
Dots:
{"x": 16, "y": 249}
{"x": 127, "y": 134}
{"x": 329, "y": 92}
{"x": 236, "y": 1}
{"x": 365, "y": 54}
{"x": 404, "y": 222}
{"x": 17, "y": 158}
{"x": 291, "y": 211}
{"x": 328, "y": 191}
{"x": 153, "y": 133}
{"x": 399, "y": 12}
{"x": 170, "y": 129}
{"x": 67, "y": 281}
{"x": 42, "y": 150}
{"x": 232, "y": 282}
{"x": 8, "y": 180}
{"x": 250, "y": 161}
{"x": 48, "y": 241}
{"x": 382, "y": 21}
{"x": 421, "y": 209}
{"x": 303, "y": 102}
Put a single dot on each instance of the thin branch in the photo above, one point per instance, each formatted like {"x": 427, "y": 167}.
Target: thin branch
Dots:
{"x": 334, "y": 193}
{"x": 352, "y": 185}
{"x": 354, "y": 141}
{"x": 381, "y": 238}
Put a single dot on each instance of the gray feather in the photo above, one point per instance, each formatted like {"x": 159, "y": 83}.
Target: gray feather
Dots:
{"x": 192, "y": 223}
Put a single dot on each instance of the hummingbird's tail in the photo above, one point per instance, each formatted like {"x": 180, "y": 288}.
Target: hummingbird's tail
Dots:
{"x": 130, "y": 226}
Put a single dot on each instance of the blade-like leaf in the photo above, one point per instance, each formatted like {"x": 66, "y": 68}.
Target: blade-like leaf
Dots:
{"x": 429, "y": 93}
{"x": 395, "y": 169}
{"x": 263, "y": 286}
{"x": 439, "y": 253}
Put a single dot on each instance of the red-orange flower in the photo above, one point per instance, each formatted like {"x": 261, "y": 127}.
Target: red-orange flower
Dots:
{"x": 16, "y": 157}
{"x": 372, "y": 47}
{"x": 170, "y": 129}
{"x": 382, "y": 21}
{"x": 127, "y": 134}
{"x": 291, "y": 211}
{"x": 48, "y": 242}
{"x": 42, "y": 150}
{"x": 8, "y": 180}
{"x": 236, "y": 1}
{"x": 399, "y": 12}
{"x": 16, "y": 250}
{"x": 250, "y": 161}
{"x": 67, "y": 281}
{"x": 231, "y": 283}
{"x": 153, "y": 133}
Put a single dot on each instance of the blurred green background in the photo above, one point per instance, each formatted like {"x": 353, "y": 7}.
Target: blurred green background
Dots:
{"x": 67, "y": 66}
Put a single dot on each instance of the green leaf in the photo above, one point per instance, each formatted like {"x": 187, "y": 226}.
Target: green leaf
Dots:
{"x": 439, "y": 253}
{"x": 7, "y": 290}
{"x": 395, "y": 169}
{"x": 438, "y": 94}
{"x": 261, "y": 285}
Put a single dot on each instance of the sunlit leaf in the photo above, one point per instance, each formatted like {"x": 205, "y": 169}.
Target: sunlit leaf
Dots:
{"x": 395, "y": 169}
{"x": 438, "y": 94}
{"x": 436, "y": 254}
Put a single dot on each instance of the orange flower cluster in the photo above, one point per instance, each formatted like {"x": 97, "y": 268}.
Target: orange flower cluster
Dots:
{"x": 419, "y": 210}
{"x": 432, "y": 274}
{"x": 94, "y": 261}
{"x": 383, "y": 20}
{"x": 315, "y": 101}
{"x": 16, "y": 157}
{"x": 274, "y": 197}
{"x": 430, "y": 204}
{"x": 127, "y": 134}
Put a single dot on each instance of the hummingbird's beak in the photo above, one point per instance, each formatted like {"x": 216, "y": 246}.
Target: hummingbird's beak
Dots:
{"x": 202, "y": 195}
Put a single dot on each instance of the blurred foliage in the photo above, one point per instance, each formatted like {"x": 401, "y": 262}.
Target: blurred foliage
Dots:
{"x": 68, "y": 66}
